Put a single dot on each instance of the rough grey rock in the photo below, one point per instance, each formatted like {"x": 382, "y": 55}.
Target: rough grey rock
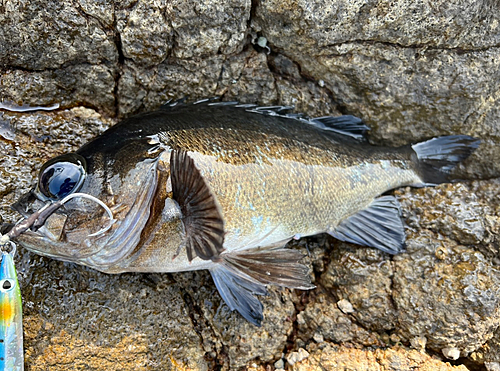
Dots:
{"x": 489, "y": 352}
{"x": 74, "y": 85}
{"x": 47, "y": 35}
{"x": 467, "y": 25}
{"x": 363, "y": 277}
{"x": 452, "y": 299}
{"x": 145, "y": 32}
{"x": 209, "y": 28}
{"x": 321, "y": 318}
{"x": 178, "y": 49}
{"x": 298, "y": 356}
{"x": 224, "y": 333}
{"x": 113, "y": 321}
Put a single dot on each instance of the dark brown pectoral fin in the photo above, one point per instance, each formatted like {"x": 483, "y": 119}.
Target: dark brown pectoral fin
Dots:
{"x": 202, "y": 219}
{"x": 241, "y": 275}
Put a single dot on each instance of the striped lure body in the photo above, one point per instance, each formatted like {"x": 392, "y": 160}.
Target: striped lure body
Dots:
{"x": 11, "y": 317}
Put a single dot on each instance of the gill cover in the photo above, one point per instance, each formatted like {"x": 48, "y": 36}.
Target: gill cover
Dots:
{"x": 126, "y": 236}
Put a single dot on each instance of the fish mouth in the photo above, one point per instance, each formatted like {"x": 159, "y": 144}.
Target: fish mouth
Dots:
{"x": 49, "y": 239}
{"x": 44, "y": 230}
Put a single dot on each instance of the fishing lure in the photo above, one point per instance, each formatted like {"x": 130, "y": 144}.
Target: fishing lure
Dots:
{"x": 11, "y": 315}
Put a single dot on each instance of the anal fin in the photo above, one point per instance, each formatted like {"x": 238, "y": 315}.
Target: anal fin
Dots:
{"x": 237, "y": 291}
{"x": 241, "y": 276}
{"x": 379, "y": 225}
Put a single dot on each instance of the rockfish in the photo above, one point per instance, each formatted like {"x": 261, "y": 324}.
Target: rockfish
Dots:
{"x": 224, "y": 186}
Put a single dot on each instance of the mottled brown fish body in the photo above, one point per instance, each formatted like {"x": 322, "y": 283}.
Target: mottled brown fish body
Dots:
{"x": 224, "y": 187}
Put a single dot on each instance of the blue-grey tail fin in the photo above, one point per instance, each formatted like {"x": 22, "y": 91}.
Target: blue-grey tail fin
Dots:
{"x": 438, "y": 156}
{"x": 239, "y": 276}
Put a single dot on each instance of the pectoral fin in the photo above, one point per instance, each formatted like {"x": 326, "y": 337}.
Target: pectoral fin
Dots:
{"x": 380, "y": 225}
{"x": 201, "y": 217}
{"x": 240, "y": 276}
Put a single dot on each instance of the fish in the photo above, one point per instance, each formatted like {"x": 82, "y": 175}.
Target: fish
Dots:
{"x": 11, "y": 316}
{"x": 224, "y": 186}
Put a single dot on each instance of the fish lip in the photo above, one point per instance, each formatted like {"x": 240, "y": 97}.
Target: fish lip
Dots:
{"x": 41, "y": 239}
{"x": 31, "y": 239}
{"x": 66, "y": 251}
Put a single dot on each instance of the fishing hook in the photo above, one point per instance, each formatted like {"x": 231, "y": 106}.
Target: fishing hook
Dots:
{"x": 38, "y": 218}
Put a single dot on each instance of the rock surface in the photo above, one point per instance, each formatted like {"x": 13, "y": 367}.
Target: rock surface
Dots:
{"x": 411, "y": 69}
{"x": 328, "y": 357}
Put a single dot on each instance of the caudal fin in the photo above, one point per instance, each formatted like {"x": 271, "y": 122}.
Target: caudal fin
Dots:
{"x": 438, "y": 156}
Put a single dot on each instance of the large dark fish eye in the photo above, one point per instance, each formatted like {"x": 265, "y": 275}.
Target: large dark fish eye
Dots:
{"x": 61, "y": 176}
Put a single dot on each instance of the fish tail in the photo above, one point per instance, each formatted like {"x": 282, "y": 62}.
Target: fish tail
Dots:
{"x": 438, "y": 156}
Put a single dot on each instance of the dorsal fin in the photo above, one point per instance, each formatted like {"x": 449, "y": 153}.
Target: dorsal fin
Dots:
{"x": 349, "y": 125}
{"x": 171, "y": 103}
{"x": 201, "y": 217}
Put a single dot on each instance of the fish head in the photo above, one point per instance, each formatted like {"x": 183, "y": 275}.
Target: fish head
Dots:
{"x": 109, "y": 198}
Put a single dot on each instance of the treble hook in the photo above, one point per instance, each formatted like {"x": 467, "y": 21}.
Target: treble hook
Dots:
{"x": 38, "y": 218}
{"x": 4, "y": 241}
